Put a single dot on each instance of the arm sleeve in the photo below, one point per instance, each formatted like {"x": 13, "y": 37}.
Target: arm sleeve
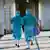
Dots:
{"x": 12, "y": 20}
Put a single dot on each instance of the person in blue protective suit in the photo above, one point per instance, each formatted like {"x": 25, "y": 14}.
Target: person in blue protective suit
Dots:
{"x": 29, "y": 24}
{"x": 16, "y": 21}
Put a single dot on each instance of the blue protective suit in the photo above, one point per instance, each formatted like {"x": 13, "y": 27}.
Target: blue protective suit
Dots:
{"x": 16, "y": 21}
{"x": 29, "y": 25}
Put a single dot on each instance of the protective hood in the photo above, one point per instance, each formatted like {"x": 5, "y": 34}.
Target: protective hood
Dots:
{"x": 28, "y": 12}
{"x": 17, "y": 13}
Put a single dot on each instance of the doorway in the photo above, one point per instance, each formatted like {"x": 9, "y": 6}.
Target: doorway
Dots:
{"x": 32, "y": 5}
{"x": 22, "y": 9}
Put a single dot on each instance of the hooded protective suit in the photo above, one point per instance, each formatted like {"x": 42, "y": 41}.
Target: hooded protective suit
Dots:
{"x": 29, "y": 24}
{"x": 16, "y": 21}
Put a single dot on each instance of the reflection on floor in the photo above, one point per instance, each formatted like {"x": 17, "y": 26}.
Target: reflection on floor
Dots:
{"x": 7, "y": 43}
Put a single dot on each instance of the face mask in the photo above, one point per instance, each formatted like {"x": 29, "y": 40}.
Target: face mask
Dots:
{"x": 18, "y": 13}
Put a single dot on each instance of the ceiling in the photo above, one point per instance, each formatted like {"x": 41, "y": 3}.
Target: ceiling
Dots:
{"x": 24, "y": 1}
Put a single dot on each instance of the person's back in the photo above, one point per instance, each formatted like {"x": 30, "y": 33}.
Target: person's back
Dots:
{"x": 16, "y": 21}
{"x": 29, "y": 20}
{"x": 29, "y": 24}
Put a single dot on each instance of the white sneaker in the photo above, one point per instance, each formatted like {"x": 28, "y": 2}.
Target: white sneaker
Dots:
{"x": 27, "y": 47}
{"x": 34, "y": 42}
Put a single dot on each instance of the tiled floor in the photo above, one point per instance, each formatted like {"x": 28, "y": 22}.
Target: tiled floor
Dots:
{"x": 7, "y": 43}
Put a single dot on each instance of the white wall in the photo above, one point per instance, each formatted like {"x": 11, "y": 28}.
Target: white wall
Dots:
{"x": 33, "y": 9}
{"x": 44, "y": 13}
{"x": 9, "y": 12}
{"x": 1, "y": 18}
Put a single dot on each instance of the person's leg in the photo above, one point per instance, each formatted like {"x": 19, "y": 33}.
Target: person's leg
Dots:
{"x": 27, "y": 40}
{"x": 27, "y": 45}
{"x": 33, "y": 39}
{"x": 31, "y": 42}
{"x": 15, "y": 42}
{"x": 18, "y": 38}
{"x": 34, "y": 35}
{"x": 18, "y": 41}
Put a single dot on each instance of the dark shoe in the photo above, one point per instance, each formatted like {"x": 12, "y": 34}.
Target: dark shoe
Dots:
{"x": 18, "y": 46}
{"x": 1, "y": 36}
{"x": 27, "y": 48}
{"x": 31, "y": 43}
{"x": 49, "y": 36}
